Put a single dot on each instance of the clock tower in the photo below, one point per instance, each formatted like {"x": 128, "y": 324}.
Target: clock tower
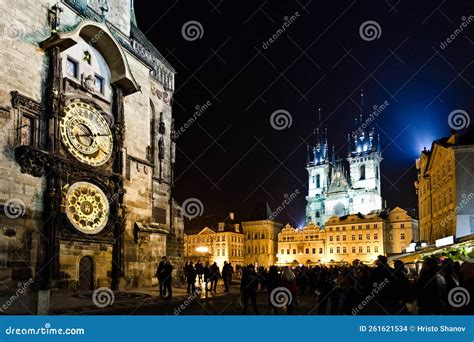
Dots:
{"x": 92, "y": 148}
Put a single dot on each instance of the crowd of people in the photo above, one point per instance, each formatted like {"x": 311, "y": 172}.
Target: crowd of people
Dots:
{"x": 346, "y": 290}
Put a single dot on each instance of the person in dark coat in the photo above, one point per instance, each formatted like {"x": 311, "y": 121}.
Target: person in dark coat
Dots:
{"x": 207, "y": 275}
{"x": 191, "y": 277}
{"x": 226, "y": 275}
{"x": 168, "y": 280}
{"x": 160, "y": 274}
{"x": 248, "y": 288}
{"x": 215, "y": 274}
{"x": 273, "y": 281}
{"x": 430, "y": 290}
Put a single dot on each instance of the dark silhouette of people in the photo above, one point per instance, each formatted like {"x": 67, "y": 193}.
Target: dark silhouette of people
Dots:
{"x": 227, "y": 271}
{"x": 161, "y": 275}
{"x": 215, "y": 274}
{"x": 168, "y": 279}
{"x": 191, "y": 278}
{"x": 248, "y": 288}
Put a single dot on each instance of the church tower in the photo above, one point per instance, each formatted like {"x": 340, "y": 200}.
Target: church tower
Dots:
{"x": 364, "y": 157}
{"x": 319, "y": 169}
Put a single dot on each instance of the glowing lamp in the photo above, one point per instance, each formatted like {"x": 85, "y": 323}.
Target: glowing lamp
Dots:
{"x": 202, "y": 249}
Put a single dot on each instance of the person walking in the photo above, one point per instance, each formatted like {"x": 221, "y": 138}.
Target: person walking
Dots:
{"x": 273, "y": 282}
{"x": 160, "y": 274}
{"x": 168, "y": 280}
{"x": 207, "y": 275}
{"x": 191, "y": 278}
{"x": 215, "y": 274}
{"x": 248, "y": 289}
{"x": 226, "y": 275}
{"x": 288, "y": 280}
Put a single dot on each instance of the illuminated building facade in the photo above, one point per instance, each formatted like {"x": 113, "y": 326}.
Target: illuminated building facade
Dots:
{"x": 88, "y": 154}
{"x": 349, "y": 237}
{"x": 445, "y": 188}
{"x": 261, "y": 242}
{"x": 337, "y": 187}
{"x": 301, "y": 246}
{"x": 215, "y": 238}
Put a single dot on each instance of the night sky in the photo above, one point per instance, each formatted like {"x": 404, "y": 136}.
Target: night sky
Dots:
{"x": 231, "y": 158}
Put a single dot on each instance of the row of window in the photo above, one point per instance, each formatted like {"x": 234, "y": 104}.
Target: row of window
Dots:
{"x": 359, "y": 227}
{"x": 353, "y": 237}
{"x": 353, "y": 249}
{"x": 256, "y": 236}
{"x": 313, "y": 251}
{"x": 257, "y": 250}
{"x": 218, "y": 238}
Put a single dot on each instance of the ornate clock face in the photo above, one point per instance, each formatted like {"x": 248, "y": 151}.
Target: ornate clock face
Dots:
{"x": 87, "y": 207}
{"x": 86, "y": 134}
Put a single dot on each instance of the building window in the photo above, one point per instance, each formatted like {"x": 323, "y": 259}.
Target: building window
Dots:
{"x": 72, "y": 68}
{"x": 353, "y": 228}
{"x": 377, "y": 172}
{"x": 343, "y": 238}
{"x": 368, "y": 249}
{"x": 402, "y": 236}
{"x": 294, "y": 251}
{"x": 287, "y": 251}
{"x": 27, "y": 130}
{"x": 376, "y": 236}
{"x": 368, "y": 236}
{"x": 318, "y": 181}
{"x": 344, "y": 250}
{"x": 376, "y": 249}
{"x": 314, "y": 250}
{"x": 338, "y": 250}
{"x": 99, "y": 84}
{"x": 223, "y": 252}
{"x": 331, "y": 250}
{"x": 320, "y": 251}
{"x": 390, "y": 237}
{"x": 402, "y": 225}
{"x": 330, "y": 238}
{"x": 360, "y": 237}
{"x": 360, "y": 249}
{"x": 362, "y": 172}
{"x": 218, "y": 252}
{"x": 307, "y": 250}
{"x": 353, "y": 237}
{"x": 282, "y": 251}
{"x": 337, "y": 237}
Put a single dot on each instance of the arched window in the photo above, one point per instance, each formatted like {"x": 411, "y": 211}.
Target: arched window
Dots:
{"x": 318, "y": 181}
{"x": 362, "y": 172}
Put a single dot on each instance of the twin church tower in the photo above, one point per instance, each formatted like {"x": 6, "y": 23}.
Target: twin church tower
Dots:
{"x": 338, "y": 187}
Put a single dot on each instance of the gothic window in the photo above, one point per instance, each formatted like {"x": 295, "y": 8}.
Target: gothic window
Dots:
{"x": 362, "y": 172}
{"x": 26, "y": 131}
{"x": 318, "y": 181}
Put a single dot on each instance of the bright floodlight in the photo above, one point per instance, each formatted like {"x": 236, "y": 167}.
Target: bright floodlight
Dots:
{"x": 202, "y": 249}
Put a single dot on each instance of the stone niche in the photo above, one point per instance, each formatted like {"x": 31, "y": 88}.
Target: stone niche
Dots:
{"x": 84, "y": 263}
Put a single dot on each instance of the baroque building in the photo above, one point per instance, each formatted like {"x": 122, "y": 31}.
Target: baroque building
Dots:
{"x": 341, "y": 187}
{"x": 347, "y": 238}
{"x": 87, "y": 150}
{"x": 214, "y": 238}
{"x": 445, "y": 188}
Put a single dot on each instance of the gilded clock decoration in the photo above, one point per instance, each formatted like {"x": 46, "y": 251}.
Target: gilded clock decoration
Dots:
{"x": 87, "y": 207}
{"x": 86, "y": 134}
